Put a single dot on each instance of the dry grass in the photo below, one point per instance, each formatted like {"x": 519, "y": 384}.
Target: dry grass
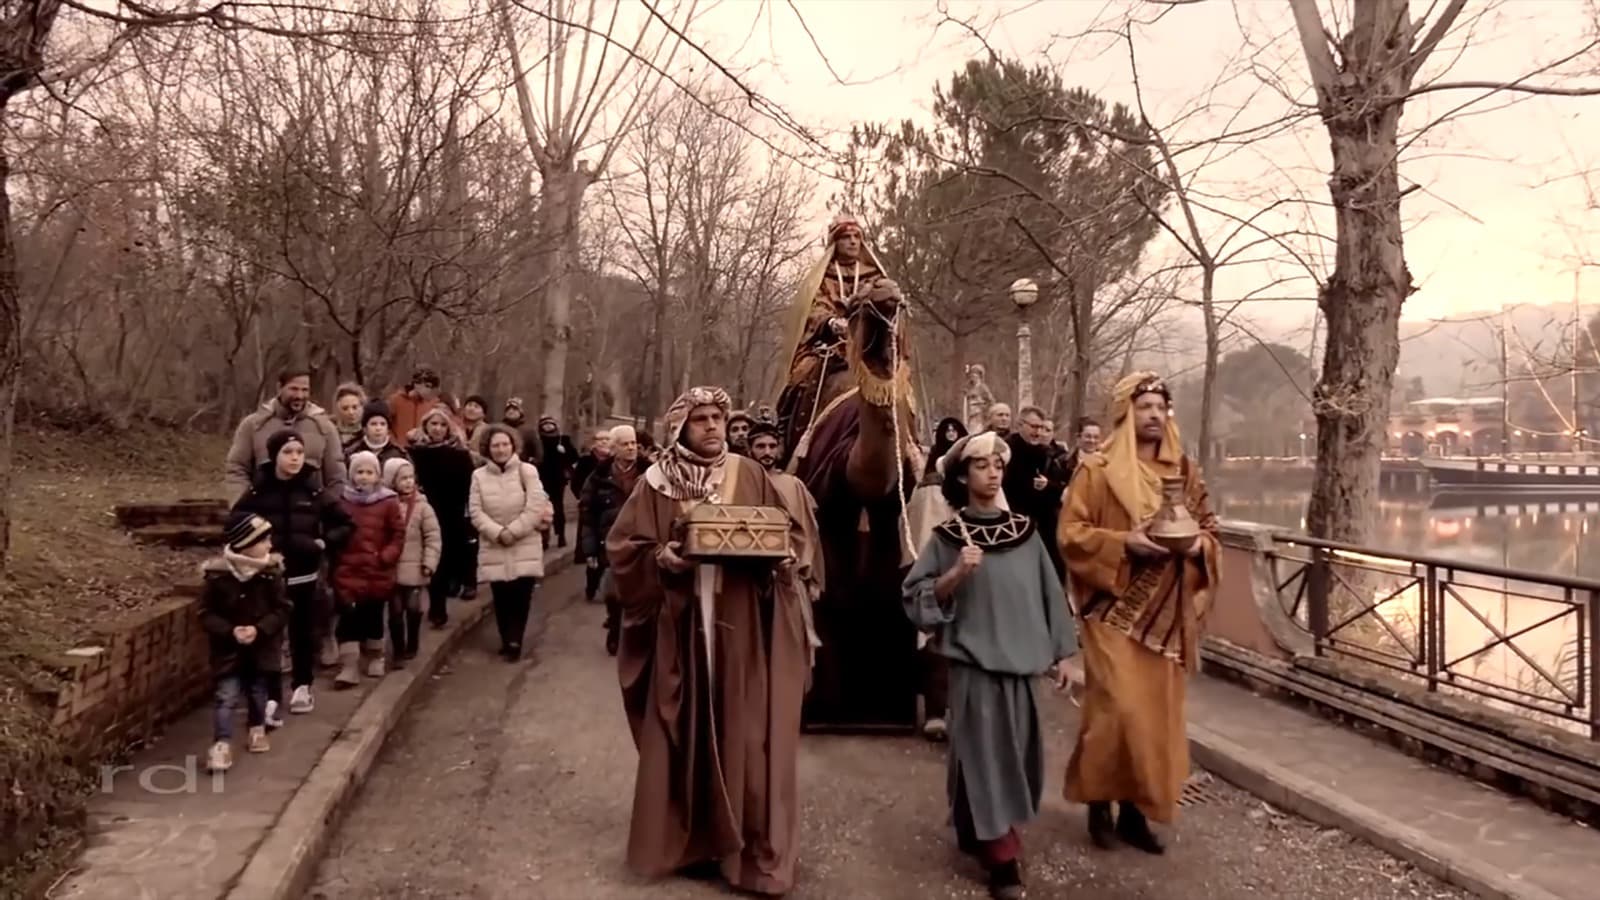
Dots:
{"x": 73, "y": 571}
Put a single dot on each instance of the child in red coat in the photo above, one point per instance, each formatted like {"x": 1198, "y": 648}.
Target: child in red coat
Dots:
{"x": 364, "y": 575}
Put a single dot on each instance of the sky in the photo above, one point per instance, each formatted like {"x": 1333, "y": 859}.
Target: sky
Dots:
{"x": 1497, "y": 217}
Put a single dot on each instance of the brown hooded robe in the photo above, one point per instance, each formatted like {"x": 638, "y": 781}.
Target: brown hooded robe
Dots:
{"x": 717, "y": 737}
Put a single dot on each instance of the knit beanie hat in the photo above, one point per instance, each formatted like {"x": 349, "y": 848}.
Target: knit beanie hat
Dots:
{"x": 478, "y": 399}
{"x": 393, "y": 469}
{"x": 375, "y": 409}
{"x": 280, "y": 439}
{"x": 245, "y": 530}
{"x": 514, "y": 403}
{"x": 365, "y": 459}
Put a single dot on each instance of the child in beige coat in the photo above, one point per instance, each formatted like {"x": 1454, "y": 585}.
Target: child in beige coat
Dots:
{"x": 419, "y": 559}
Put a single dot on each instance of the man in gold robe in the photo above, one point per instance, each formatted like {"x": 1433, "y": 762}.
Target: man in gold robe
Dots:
{"x": 1140, "y": 607}
{"x": 713, "y": 666}
{"x": 818, "y": 327}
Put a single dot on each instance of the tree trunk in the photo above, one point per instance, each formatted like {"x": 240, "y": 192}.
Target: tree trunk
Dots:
{"x": 1208, "y": 382}
{"x": 560, "y": 202}
{"x": 10, "y": 349}
{"x": 1082, "y": 343}
{"x": 1362, "y": 298}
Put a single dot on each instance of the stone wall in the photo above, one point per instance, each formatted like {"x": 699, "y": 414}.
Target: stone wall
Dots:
{"x": 122, "y": 684}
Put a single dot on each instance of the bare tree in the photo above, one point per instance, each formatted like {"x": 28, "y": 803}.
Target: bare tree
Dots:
{"x": 598, "y": 73}
{"x": 1362, "y": 81}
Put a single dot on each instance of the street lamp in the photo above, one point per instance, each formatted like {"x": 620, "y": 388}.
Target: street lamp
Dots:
{"x": 1024, "y": 293}
{"x": 1302, "y": 446}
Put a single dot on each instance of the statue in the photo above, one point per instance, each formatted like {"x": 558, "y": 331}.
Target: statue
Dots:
{"x": 846, "y": 412}
{"x": 977, "y": 399}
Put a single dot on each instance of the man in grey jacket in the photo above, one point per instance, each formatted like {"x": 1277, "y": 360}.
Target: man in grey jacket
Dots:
{"x": 291, "y": 409}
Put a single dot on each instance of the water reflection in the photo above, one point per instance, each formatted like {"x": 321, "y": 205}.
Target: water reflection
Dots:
{"x": 1538, "y": 537}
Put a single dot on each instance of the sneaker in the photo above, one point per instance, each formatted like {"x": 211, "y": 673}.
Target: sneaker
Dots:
{"x": 220, "y": 757}
{"x": 272, "y": 720}
{"x": 935, "y": 730}
{"x": 301, "y": 701}
{"x": 329, "y": 656}
{"x": 258, "y": 740}
{"x": 375, "y": 667}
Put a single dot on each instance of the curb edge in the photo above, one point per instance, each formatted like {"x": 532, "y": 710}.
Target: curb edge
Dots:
{"x": 283, "y": 863}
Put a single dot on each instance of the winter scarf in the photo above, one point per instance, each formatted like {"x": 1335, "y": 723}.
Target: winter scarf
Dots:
{"x": 245, "y": 568}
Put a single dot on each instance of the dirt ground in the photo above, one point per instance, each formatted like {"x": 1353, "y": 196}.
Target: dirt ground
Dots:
{"x": 73, "y": 569}
{"x": 514, "y": 781}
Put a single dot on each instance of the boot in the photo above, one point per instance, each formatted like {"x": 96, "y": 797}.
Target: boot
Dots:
{"x": 397, "y": 639}
{"x": 1102, "y": 830}
{"x": 413, "y": 632}
{"x": 349, "y": 665}
{"x": 330, "y": 652}
{"x": 1005, "y": 881}
{"x": 1135, "y": 831}
{"x": 373, "y": 651}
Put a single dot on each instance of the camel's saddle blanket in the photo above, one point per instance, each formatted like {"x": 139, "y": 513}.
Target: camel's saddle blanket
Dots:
{"x": 713, "y": 531}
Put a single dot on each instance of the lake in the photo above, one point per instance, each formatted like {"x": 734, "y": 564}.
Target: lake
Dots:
{"x": 1535, "y": 537}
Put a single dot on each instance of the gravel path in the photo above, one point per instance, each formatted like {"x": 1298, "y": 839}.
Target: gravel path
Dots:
{"x": 514, "y": 781}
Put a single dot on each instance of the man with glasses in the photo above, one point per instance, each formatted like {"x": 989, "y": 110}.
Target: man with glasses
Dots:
{"x": 1035, "y": 480}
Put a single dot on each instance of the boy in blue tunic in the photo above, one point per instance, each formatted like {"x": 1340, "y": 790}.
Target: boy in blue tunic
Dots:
{"x": 985, "y": 583}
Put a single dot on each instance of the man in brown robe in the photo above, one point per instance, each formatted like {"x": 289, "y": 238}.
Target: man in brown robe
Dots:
{"x": 713, "y": 669}
{"x": 1140, "y": 607}
{"x": 766, "y": 448}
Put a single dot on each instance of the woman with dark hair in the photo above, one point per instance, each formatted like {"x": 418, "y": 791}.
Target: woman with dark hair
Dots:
{"x": 511, "y": 512}
{"x": 945, "y": 436}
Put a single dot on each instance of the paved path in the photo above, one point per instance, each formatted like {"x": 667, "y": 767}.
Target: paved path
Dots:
{"x": 163, "y": 829}
{"x": 514, "y": 781}
{"x": 1466, "y": 819}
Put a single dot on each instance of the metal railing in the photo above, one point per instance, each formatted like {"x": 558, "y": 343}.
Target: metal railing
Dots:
{"x": 1524, "y": 642}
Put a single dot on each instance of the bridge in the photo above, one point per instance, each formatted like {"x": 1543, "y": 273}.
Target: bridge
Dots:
{"x": 1443, "y": 715}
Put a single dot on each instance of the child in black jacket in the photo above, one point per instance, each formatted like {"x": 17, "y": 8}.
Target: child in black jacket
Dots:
{"x": 244, "y": 609}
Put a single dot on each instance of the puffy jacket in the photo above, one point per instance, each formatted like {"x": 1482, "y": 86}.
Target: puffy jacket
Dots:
{"x": 603, "y": 495}
{"x": 509, "y": 498}
{"x": 365, "y": 570}
{"x": 227, "y": 603}
{"x": 444, "y": 473}
{"x": 424, "y": 541}
{"x": 301, "y": 514}
{"x": 249, "y": 449}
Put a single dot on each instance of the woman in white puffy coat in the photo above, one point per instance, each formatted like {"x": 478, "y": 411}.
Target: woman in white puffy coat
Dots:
{"x": 511, "y": 511}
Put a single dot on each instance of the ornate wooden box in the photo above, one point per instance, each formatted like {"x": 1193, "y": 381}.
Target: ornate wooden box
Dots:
{"x": 712, "y": 532}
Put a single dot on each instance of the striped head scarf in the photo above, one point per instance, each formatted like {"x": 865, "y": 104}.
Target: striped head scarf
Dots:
{"x": 687, "y": 474}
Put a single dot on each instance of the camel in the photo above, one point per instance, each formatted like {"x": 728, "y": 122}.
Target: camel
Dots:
{"x": 855, "y": 457}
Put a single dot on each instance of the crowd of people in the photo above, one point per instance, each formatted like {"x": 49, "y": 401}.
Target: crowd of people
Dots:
{"x": 349, "y": 527}
{"x": 1030, "y": 553}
